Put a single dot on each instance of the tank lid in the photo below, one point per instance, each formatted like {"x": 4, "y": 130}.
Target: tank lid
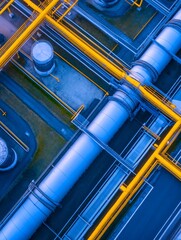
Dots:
{"x": 42, "y": 51}
{"x": 3, "y": 151}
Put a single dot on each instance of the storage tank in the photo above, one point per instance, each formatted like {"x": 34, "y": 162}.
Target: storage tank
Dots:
{"x": 43, "y": 57}
{"x": 3, "y": 152}
{"x": 8, "y": 157}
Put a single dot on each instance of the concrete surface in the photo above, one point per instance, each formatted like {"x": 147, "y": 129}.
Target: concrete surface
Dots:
{"x": 72, "y": 87}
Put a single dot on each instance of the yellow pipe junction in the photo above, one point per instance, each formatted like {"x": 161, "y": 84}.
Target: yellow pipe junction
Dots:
{"x": 118, "y": 73}
{"x": 26, "y": 34}
{"x": 91, "y": 52}
{"x": 136, "y": 183}
{"x": 107, "y": 64}
{"x": 170, "y": 166}
{"x": 136, "y": 3}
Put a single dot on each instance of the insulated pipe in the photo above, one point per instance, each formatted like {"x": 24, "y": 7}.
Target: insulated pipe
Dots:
{"x": 155, "y": 58}
{"x": 38, "y": 206}
{"x": 41, "y": 202}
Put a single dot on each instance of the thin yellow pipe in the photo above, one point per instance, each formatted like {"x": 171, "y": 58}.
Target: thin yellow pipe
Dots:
{"x": 96, "y": 45}
{"x": 160, "y": 105}
{"x": 67, "y": 11}
{"x": 111, "y": 67}
{"x": 6, "y": 6}
{"x": 134, "y": 185}
{"x": 102, "y": 89}
{"x": 80, "y": 43}
{"x": 14, "y": 37}
{"x": 56, "y": 9}
{"x": 144, "y": 26}
{"x": 93, "y": 54}
{"x": 138, "y": 4}
{"x": 170, "y": 166}
{"x": 14, "y": 136}
{"x": 119, "y": 73}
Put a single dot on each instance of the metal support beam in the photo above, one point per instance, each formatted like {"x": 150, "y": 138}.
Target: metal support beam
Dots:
{"x": 104, "y": 146}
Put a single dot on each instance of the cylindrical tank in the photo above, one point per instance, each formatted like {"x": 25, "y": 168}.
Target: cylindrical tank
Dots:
{"x": 8, "y": 157}
{"x": 43, "y": 57}
{"x": 3, "y": 152}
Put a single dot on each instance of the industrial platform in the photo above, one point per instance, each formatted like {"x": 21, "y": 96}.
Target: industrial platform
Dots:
{"x": 90, "y": 119}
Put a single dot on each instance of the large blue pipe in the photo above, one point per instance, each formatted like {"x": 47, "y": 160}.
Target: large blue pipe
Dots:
{"x": 40, "y": 203}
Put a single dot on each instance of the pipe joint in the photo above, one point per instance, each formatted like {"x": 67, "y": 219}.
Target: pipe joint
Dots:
{"x": 175, "y": 23}
{"x": 125, "y": 99}
{"x": 152, "y": 71}
{"x": 42, "y": 197}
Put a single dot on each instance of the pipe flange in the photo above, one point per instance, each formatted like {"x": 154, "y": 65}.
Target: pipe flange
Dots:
{"x": 49, "y": 203}
{"x": 153, "y": 72}
{"x": 175, "y": 23}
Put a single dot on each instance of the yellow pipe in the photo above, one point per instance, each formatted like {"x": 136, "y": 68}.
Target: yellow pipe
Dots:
{"x": 14, "y": 37}
{"x": 90, "y": 51}
{"x": 107, "y": 64}
{"x": 56, "y": 9}
{"x": 118, "y": 73}
{"x": 67, "y": 11}
{"x": 77, "y": 112}
{"x": 170, "y": 166}
{"x": 14, "y": 136}
{"x": 138, "y": 4}
{"x": 6, "y": 6}
{"x": 112, "y": 68}
{"x": 80, "y": 43}
{"x": 144, "y": 26}
{"x": 160, "y": 105}
{"x": 102, "y": 89}
{"x": 151, "y": 163}
{"x": 134, "y": 185}
{"x": 170, "y": 142}
{"x": 26, "y": 34}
